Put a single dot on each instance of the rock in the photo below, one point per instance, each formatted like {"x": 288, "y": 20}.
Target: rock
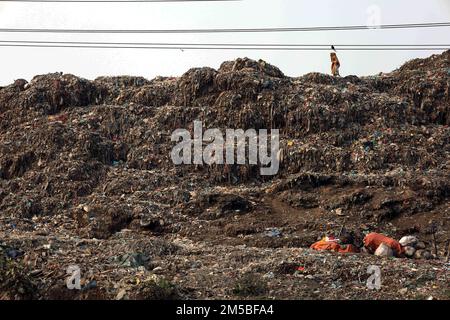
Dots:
{"x": 384, "y": 250}
{"x": 403, "y": 291}
{"x": 408, "y": 241}
{"x": 422, "y": 254}
{"x": 409, "y": 251}
{"x": 420, "y": 245}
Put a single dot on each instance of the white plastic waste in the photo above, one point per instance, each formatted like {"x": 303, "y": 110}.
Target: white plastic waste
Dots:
{"x": 409, "y": 241}
{"x": 384, "y": 250}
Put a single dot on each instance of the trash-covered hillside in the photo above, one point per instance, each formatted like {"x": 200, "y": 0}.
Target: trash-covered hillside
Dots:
{"x": 86, "y": 179}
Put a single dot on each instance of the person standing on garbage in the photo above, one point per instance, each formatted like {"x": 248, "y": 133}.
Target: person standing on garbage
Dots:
{"x": 335, "y": 64}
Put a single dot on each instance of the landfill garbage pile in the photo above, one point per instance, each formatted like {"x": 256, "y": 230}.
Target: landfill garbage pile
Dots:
{"x": 86, "y": 179}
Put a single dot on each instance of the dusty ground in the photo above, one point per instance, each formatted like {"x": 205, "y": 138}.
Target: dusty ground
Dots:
{"x": 86, "y": 179}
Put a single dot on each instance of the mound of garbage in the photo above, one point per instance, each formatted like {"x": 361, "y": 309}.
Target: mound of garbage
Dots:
{"x": 87, "y": 163}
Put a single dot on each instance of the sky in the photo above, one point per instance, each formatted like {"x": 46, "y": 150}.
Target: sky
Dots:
{"x": 25, "y": 63}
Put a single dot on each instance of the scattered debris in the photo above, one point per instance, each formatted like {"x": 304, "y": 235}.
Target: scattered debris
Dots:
{"x": 409, "y": 251}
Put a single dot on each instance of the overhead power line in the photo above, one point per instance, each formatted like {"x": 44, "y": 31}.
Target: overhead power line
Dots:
{"x": 220, "y": 48}
{"x": 185, "y": 44}
{"x": 232, "y": 30}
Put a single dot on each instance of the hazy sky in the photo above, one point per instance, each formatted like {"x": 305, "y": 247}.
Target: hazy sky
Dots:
{"x": 90, "y": 63}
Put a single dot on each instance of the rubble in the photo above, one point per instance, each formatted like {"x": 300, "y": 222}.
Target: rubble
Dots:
{"x": 408, "y": 241}
{"x": 384, "y": 250}
{"x": 409, "y": 251}
{"x": 422, "y": 254}
{"x": 86, "y": 179}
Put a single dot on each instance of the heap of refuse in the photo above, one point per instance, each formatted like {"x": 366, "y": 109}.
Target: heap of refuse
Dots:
{"x": 84, "y": 160}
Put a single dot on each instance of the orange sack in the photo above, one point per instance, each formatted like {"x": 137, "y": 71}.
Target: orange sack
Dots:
{"x": 324, "y": 245}
{"x": 373, "y": 240}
